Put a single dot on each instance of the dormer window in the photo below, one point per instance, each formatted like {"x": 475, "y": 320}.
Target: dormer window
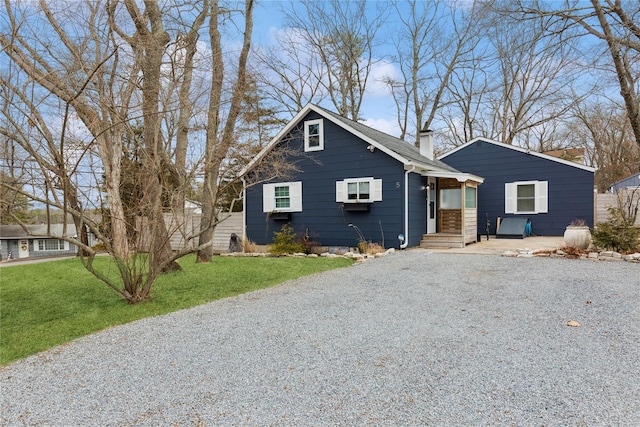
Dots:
{"x": 313, "y": 135}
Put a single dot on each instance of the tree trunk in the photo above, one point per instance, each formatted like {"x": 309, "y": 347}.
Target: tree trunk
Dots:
{"x": 182, "y": 138}
{"x": 625, "y": 79}
{"x": 153, "y": 43}
{"x": 218, "y": 147}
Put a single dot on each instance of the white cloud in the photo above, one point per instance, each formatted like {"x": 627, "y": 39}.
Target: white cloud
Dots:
{"x": 380, "y": 72}
{"x": 384, "y": 125}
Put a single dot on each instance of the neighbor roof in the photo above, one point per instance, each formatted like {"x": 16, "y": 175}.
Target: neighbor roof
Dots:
{"x": 35, "y": 231}
{"x": 630, "y": 181}
{"x": 522, "y": 150}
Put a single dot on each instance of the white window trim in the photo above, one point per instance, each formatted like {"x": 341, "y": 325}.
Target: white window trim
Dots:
{"x": 541, "y": 189}
{"x": 375, "y": 190}
{"x": 36, "y": 245}
{"x": 269, "y": 197}
{"x": 320, "y": 124}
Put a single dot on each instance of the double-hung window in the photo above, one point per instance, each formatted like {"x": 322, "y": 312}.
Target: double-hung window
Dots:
{"x": 526, "y": 197}
{"x": 359, "y": 190}
{"x": 313, "y": 135}
{"x": 282, "y": 197}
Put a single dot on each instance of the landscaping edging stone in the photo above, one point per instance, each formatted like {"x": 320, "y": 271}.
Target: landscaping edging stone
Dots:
{"x": 559, "y": 253}
{"x": 518, "y": 253}
{"x": 351, "y": 255}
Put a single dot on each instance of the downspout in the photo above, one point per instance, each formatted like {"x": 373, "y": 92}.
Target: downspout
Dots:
{"x": 406, "y": 207}
{"x": 244, "y": 211}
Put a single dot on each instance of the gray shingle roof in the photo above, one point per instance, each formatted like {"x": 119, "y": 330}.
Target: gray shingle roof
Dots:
{"x": 37, "y": 230}
{"x": 403, "y": 148}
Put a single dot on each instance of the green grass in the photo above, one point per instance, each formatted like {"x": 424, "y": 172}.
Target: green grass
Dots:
{"x": 48, "y": 304}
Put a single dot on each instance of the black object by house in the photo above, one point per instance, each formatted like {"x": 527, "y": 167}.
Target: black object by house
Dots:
{"x": 513, "y": 228}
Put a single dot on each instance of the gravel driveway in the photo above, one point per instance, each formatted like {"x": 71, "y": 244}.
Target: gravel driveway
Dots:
{"x": 415, "y": 338}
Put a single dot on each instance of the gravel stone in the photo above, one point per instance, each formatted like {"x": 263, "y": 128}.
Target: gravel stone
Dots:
{"x": 415, "y": 338}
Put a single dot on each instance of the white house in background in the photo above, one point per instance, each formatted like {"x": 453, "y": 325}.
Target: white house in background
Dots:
{"x": 37, "y": 240}
{"x": 629, "y": 182}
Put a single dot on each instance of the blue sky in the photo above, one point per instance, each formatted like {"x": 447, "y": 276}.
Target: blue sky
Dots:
{"x": 378, "y": 109}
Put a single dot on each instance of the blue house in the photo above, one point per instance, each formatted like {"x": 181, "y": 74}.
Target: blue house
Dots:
{"x": 355, "y": 183}
{"x": 518, "y": 183}
{"x": 631, "y": 182}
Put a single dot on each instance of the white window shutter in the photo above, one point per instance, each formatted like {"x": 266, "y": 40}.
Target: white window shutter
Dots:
{"x": 510, "y": 197}
{"x": 376, "y": 192}
{"x": 295, "y": 196}
{"x": 268, "y": 197}
{"x": 341, "y": 196}
{"x": 542, "y": 197}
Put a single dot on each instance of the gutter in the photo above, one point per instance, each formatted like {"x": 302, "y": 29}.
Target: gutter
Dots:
{"x": 406, "y": 207}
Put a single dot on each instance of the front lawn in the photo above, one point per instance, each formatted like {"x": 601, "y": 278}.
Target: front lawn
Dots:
{"x": 48, "y": 304}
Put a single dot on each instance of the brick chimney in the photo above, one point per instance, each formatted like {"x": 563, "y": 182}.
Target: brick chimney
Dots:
{"x": 426, "y": 142}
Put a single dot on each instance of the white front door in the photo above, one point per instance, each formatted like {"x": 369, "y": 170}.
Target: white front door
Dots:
{"x": 432, "y": 205}
{"x": 23, "y": 249}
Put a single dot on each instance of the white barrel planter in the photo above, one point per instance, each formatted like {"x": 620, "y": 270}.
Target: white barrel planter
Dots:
{"x": 577, "y": 236}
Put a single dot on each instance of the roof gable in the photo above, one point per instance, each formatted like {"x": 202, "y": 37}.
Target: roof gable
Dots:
{"x": 630, "y": 181}
{"x": 522, "y": 150}
{"x": 394, "y": 147}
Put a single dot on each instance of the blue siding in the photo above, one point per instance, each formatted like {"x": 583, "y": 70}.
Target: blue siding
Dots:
{"x": 570, "y": 188}
{"x": 344, "y": 156}
{"x": 417, "y": 208}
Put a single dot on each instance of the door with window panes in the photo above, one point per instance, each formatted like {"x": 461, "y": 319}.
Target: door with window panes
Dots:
{"x": 432, "y": 208}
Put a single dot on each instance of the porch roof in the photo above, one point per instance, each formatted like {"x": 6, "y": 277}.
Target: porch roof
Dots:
{"x": 460, "y": 176}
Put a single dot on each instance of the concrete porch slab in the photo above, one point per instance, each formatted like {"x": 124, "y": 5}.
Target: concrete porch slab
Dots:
{"x": 500, "y": 246}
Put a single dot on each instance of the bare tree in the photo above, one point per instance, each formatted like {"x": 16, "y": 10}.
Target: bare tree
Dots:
{"x": 469, "y": 87}
{"x": 183, "y": 66}
{"x": 535, "y": 73}
{"x": 603, "y": 130}
{"x": 64, "y": 73}
{"x": 615, "y": 23}
{"x": 13, "y": 173}
{"x": 148, "y": 42}
{"x": 100, "y": 63}
{"x": 434, "y": 42}
{"x": 290, "y": 71}
{"x": 343, "y": 36}
{"x": 220, "y": 137}
{"x": 517, "y": 86}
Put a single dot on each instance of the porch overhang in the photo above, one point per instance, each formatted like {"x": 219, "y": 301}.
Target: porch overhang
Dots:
{"x": 426, "y": 170}
{"x": 460, "y": 177}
